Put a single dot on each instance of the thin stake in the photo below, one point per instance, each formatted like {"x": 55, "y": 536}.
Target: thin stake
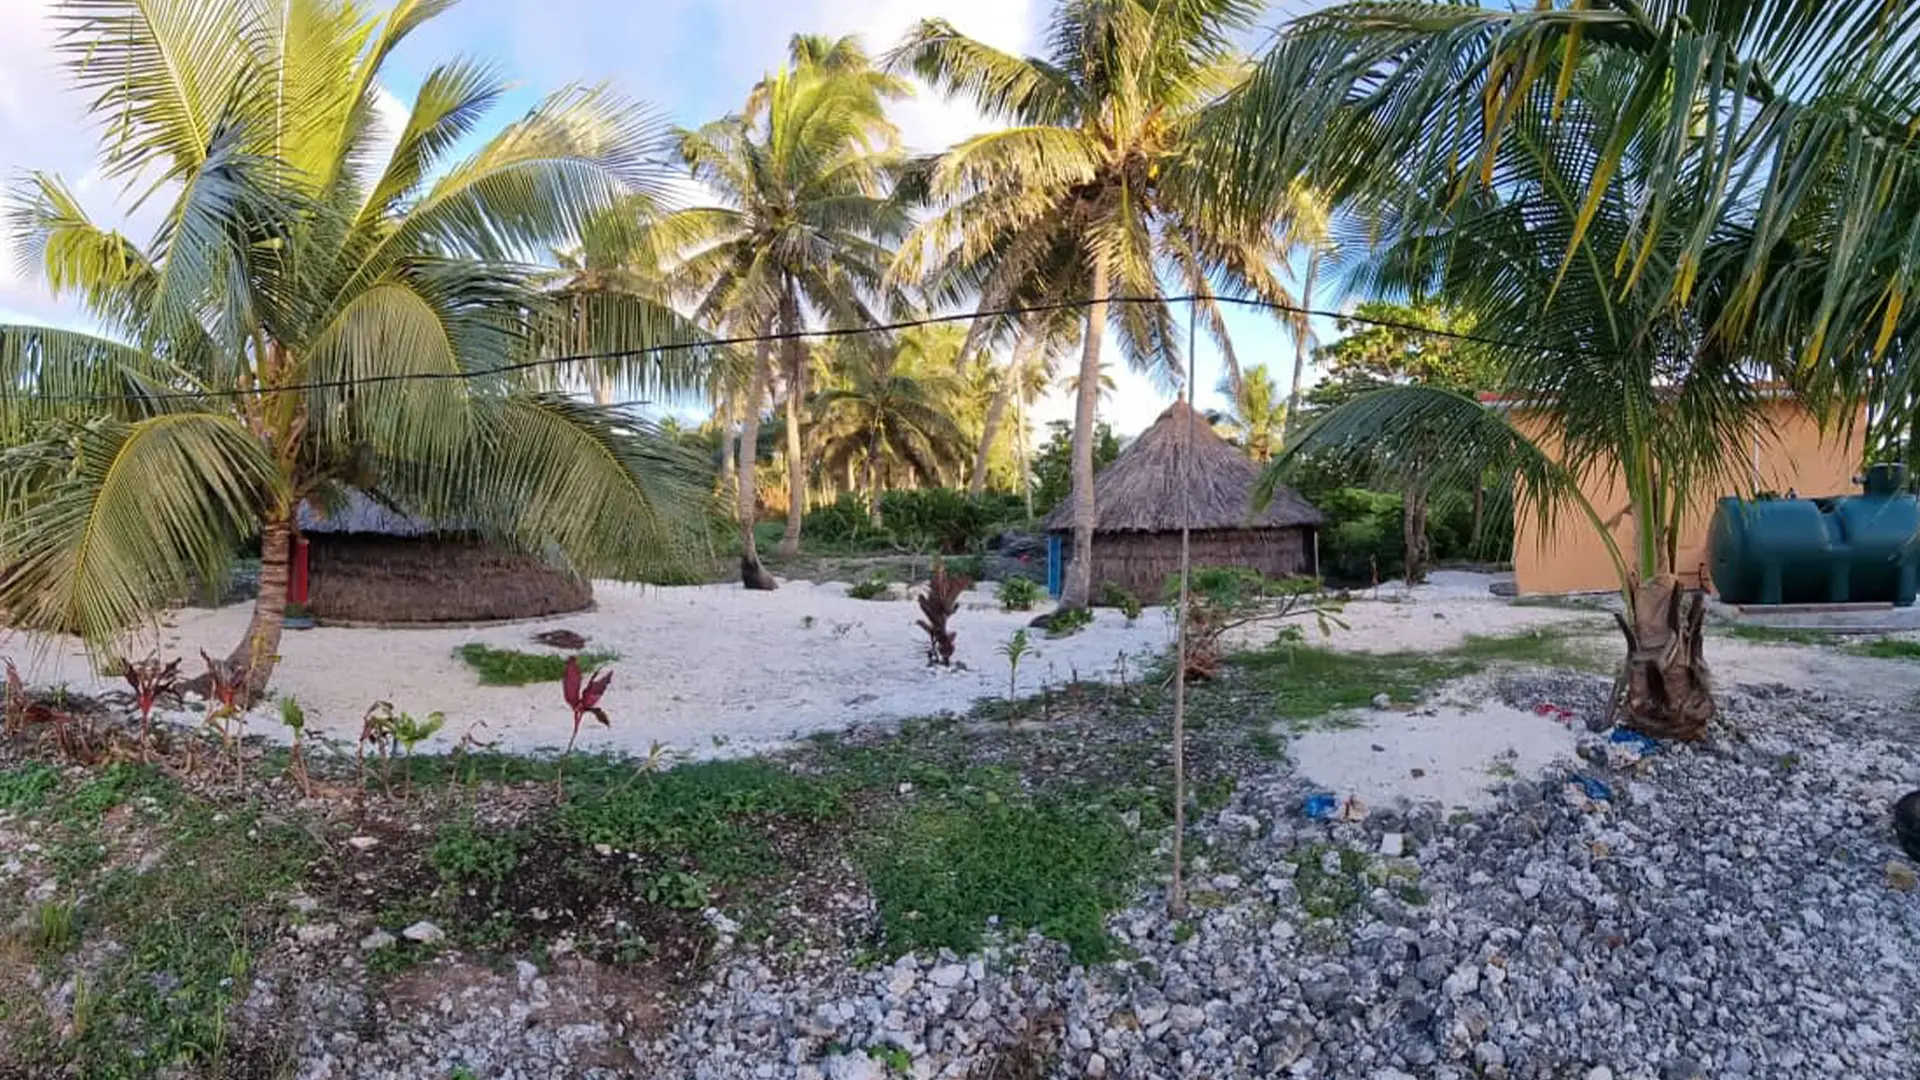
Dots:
{"x": 1177, "y": 892}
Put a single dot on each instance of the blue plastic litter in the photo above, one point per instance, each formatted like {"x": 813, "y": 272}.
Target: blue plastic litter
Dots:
{"x": 1634, "y": 739}
{"x": 1322, "y": 807}
{"x": 1595, "y": 789}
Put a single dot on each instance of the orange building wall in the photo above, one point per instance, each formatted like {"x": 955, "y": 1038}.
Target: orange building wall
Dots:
{"x": 1793, "y": 455}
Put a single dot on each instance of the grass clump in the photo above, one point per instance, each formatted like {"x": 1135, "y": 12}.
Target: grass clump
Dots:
{"x": 1778, "y": 635}
{"x": 704, "y": 812}
{"x": 1329, "y": 893}
{"x": 511, "y": 667}
{"x": 1889, "y": 649}
{"x": 1308, "y": 681}
{"x": 944, "y": 866}
{"x": 871, "y": 588}
{"x": 27, "y": 788}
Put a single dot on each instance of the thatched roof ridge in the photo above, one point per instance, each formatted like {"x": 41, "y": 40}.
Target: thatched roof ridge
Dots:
{"x": 362, "y": 515}
{"x": 1140, "y": 492}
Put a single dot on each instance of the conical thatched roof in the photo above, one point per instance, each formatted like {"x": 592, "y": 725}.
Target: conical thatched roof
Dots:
{"x": 1140, "y": 491}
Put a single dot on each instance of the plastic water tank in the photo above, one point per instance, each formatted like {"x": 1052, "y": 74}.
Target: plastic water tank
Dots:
{"x": 1844, "y": 549}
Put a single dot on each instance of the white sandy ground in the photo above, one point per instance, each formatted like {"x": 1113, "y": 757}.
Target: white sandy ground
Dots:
{"x": 702, "y": 669}
{"x": 1452, "y": 757}
{"x": 717, "y": 670}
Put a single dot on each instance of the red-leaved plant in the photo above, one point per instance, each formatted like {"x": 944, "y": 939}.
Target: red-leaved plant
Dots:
{"x": 583, "y": 693}
{"x": 151, "y": 680}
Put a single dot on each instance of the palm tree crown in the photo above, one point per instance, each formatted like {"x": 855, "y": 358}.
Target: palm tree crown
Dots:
{"x": 309, "y": 315}
{"x": 804, "y": 221}
{"x": 1100, "y": 125}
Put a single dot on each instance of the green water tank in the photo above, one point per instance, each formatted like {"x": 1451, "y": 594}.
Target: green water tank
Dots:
{"x": 1843, "y": 549}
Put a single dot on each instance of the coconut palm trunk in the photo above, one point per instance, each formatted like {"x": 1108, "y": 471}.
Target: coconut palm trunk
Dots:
{"x": 1667, "y": 690}
{"x": 259, "y": 651}
{"x": 1300, "y": 337}
{"x": 1413, "y": 521}
{"x": 752, "y": 574}
{"x": 796, "y": 365}
{"x": 997, "y": 410}
{"x": 1077, "y": 590}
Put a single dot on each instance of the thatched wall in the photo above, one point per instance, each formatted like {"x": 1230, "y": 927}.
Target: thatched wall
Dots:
{"x": 383, "y": 579}
{"x": 1142, "y": 562}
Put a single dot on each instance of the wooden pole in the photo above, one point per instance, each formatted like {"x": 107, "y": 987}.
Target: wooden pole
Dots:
{"x": 1177, "y": 890}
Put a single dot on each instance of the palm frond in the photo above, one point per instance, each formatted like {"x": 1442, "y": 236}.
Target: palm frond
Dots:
{"x": 109, "y": 521}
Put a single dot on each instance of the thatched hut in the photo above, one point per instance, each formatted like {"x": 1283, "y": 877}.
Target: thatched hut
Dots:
{"x": 1138, "y": 503}
{"x": 368, "y": 563}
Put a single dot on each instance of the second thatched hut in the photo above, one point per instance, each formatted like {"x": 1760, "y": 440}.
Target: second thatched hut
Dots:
{"x": 1139, "y": 507}
{"x": 367, "y": 563}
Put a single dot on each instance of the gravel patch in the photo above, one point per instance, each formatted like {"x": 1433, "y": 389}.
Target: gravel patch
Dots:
{"x": 1730, "y": 910}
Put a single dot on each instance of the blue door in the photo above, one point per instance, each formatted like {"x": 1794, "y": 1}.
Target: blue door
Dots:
{"x": 1056, "y": 565}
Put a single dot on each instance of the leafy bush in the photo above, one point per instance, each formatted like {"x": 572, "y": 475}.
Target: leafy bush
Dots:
{"x": 1053, "y": 465}
{"x": 937, "y": 519}
{"x": 1117, "y": 596}
{"x": 1068, "y": 622}
{"x": 845, "y": 521}
{"x": 1363, "y": 536}
{"x": 946, "y": 519}
{"x": 873, "y": 588}
{"x": 1018, "y": 594}
{"x": 510, "y": 667}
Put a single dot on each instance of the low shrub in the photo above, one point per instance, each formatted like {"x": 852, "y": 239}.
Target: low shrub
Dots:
{"x": 873, "y": 588}
{"x": 1069, "y": 621}
{"x": 1018, "y": 594}
{"x": 511, "y": 667}
{"x": 1117, "y": 596}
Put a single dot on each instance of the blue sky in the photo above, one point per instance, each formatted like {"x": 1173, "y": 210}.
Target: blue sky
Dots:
{"x": 691, "y": 59}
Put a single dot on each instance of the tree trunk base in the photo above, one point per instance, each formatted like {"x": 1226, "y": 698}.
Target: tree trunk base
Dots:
{"x": 1668, "y": 692}
{"x": 755, "y": 576}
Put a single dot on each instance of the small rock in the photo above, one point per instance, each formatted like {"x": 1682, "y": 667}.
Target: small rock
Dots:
{"x": 1527, "y": 887}
{"x": 361, "y": 843}
{"x": 1096, "y": 1066}
{"x": 1383, "y": 701}
{"x": 1393, "y": 845}
{"x": 379, "y": 939}
{"x": 948, "y": 976}
{"x": 852, "y": 1067}
{"x": 316, "y": 933}
{"x": 424, "y": 933}
{"x": 1901, "y": 876}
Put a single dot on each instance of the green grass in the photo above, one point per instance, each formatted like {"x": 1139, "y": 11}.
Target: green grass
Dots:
{"x": 187, "y": 927}
{"x": 510, "y": 667}
{"x": 1328, "y": 894}
{"x": 26, "y": 789}
{"x": 1877, "y": 648}
{"x": 703, "y": 812}
{"x": 944, "y": 865}
{"x": 1778, "y": 635}
{"x": 1888, "y": 649}
{"x": 1309, "y": 681}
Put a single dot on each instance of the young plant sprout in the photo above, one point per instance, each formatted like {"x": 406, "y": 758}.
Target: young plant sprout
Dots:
{"x": 583, "y": 693}
{"x": 294, "y": 718}
{"x": 1013, "y": 649}
{"x": 151, "y": 680}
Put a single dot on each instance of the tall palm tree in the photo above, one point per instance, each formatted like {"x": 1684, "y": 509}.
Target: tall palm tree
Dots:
{"x": 1651, "y": 209}
{"x": 803, "y": 226}
{"x": 891, "y": 410}
{"x": 1257, "y": 414}
{"x": 312, "y": 314}
{"x": 1101, "y": 126}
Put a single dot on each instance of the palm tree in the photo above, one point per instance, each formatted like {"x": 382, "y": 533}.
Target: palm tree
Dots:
{"x": 310, "y": 314}
{"x": 1258, "y": 414}
{"x": 1606, "y": 190}
{"x": 803, "y": 226}
{"x": 1102, "y": 127}
{"x": 892, "y": 409}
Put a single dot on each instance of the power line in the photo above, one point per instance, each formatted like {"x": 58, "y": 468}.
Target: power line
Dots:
{"x": 1190, "y": 299}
